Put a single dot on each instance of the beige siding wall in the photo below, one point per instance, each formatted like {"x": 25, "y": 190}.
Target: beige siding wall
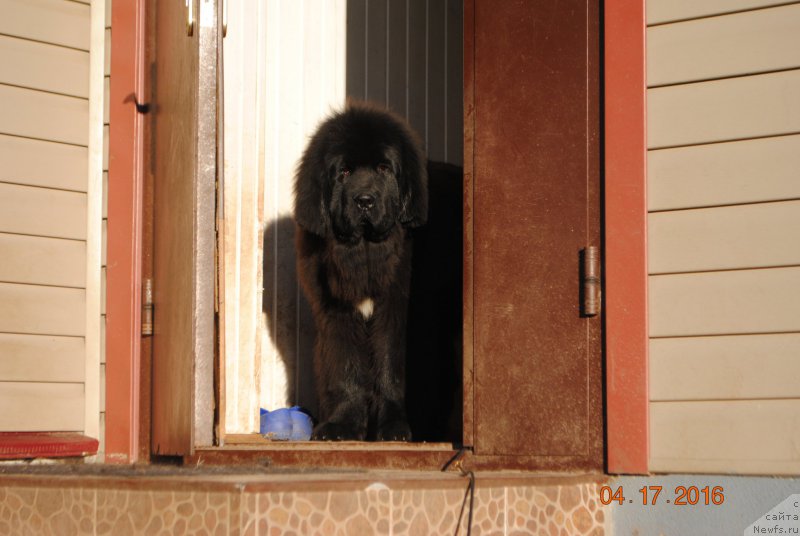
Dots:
{"x": 724, "y": 235}
{"x": 47, "y": 286}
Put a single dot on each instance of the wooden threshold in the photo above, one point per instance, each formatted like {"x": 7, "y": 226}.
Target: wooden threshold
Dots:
{"x": 255, "y": 449}
{"x": 257, "y": 440}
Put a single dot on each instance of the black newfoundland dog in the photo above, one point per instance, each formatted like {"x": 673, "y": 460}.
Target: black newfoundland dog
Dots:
{"x": 360, "y": 187}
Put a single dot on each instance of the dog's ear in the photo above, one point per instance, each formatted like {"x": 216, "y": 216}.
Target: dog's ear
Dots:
{"x": 414, "y": 186}
{"x": 310, "y": 210}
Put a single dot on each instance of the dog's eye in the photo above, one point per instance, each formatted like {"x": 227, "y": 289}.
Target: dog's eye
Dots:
{"x": 383, "y": 168}
{"x": 345, "y": 172}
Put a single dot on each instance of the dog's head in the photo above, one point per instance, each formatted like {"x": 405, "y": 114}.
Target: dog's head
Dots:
{"x": 362, "y": 173}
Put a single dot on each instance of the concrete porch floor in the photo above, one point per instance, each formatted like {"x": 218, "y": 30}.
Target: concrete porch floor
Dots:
{"x": 98, "y": 500}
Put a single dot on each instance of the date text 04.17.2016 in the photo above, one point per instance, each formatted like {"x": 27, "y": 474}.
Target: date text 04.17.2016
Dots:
{"x": 651, "y": 495}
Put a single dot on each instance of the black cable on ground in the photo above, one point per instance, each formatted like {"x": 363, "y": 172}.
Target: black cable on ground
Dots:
{"x": 469, "y": 492}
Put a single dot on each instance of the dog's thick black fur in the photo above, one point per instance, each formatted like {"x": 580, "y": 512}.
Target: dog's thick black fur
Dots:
{"x": 360, "y": 187}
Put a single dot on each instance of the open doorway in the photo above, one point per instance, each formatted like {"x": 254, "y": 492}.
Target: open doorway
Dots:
{"x": 287, "y": 66}
{"x": 532, "y": 372}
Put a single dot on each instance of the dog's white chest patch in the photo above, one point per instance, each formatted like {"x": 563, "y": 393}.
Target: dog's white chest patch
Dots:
{"x": 366, "y": 308}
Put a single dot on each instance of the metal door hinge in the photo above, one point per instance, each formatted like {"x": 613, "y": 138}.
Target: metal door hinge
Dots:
{"x": 224, "y": 18}
{"x": 147, "y": 307}
{"x": 591, "y": 290}
{"x": 190, "y": 17}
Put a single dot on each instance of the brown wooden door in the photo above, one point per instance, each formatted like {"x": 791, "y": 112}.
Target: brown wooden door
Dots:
{"x": 532, "y": 186}
{"x": 184, "y": 97}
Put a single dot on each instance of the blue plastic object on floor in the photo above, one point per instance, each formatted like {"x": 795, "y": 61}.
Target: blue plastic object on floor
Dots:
{"x": 285, "y": 424}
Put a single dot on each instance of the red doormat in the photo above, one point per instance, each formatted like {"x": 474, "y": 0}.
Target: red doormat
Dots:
{"x": 23, "y": 445}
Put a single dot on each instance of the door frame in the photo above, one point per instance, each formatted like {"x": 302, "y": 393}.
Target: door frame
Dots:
{"x": 127, "y": 354}
{"x": 125, "y": 235}
{"x": 627, "y": 398}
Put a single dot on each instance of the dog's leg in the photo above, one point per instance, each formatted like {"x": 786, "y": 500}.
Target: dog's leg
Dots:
{"x": 343, "y": 373}
{"x": 390, "y": 353}
{"x": 392, "y": 420}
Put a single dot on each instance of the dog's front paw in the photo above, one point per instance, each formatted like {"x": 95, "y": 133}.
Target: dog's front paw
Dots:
{"x": 334, "y": 431}
{"x": 394, "y": 431}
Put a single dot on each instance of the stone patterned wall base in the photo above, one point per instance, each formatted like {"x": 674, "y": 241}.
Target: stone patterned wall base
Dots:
{"x": 347, "y": 505}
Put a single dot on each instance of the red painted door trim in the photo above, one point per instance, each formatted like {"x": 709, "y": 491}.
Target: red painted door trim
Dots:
{"x": 627, "y": 406}
{"x": 124, "y": 238}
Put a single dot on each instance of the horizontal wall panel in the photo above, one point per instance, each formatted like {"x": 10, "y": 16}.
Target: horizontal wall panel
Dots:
{"x": 42, "y": 261}
{"x": 35, "y": 114}
{"x": 40, "y": 211}
{"x": 102, "y": 403}
{"x": 724, "y": 303}
{"x": 722, "y": 238}
{"x": 720, "y": 110}
{"x": 748, "y": 171}
{"x": 103, "y": 338}
{"x": 725, "y": 367}
{"x": 41, "y": 358}
{"x": 752, "y": 436}
{"x": 741, "y": 43}
{"x": 43, "y": 163}
{"x": 103, "y": 290}
{"x": 45, "y": 67}
{"x": 106, "y": 137}
{"x": 107, "y": 54}
{"x": 35, "y": 310}
{"x": 104, "y": 243}
{"x": 106, "y": 99}
{"x": 661, "y": 11}
{"x": 41, "y": 407}
{"x": 105, "y": 195}
{"x": 50, "y": 21}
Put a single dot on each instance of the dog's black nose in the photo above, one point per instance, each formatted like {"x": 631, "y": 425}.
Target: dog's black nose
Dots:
{"x": 365, "y": 201}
